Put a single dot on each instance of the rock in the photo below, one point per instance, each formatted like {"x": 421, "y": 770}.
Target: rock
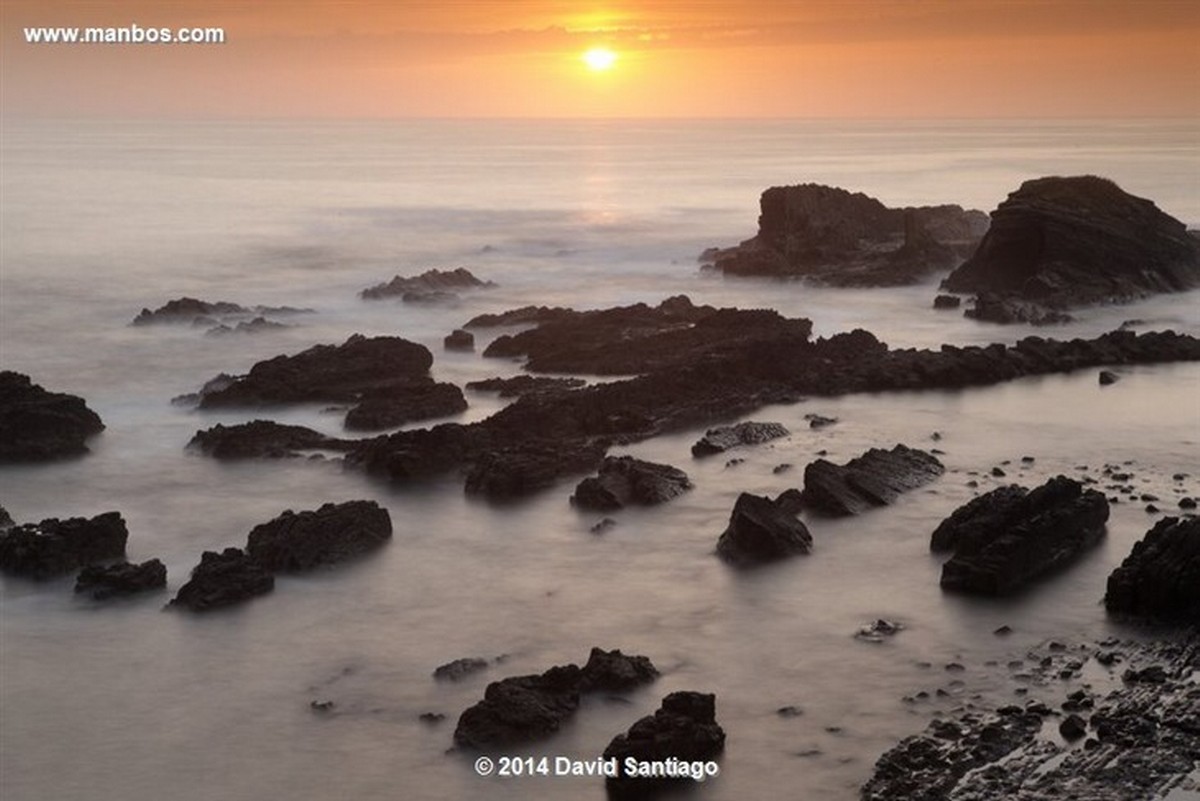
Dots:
{"x": 819, "y": 421}
{"x": 840, "y": 238}
{"x": 36, "y": 424}
{"x": 459, "y": 669}
{"x": 876, "y": 478}
{"x": 295, "y": 542}
{"x": 53, "y": 547}
{"x": 509, "y": 473}
{"x": 432, "y": 718}
{"x": 1161, "y": 576}
{"x": 1014, "y": 537}
{"x": 123, "y": 578}
{"x": 526, "y": 315}
{"x": 612, "y": 671}
{"x": 947, "y": 302}
{"x": 1073, "y": 727}
{"x": 525, "y": 385}
{"x": 1003, "y": 631}
{"x": 1108, "y": 377}
{"x": 624, "y": 481}
{"x": 878, "y": 630}
{"x": 321, "y": 707}
{"x": 263, "y": 439}
{"x": 6, "y": 521}
{"x": 1187, "y": 503}
{"x": 998, "y": 472}
{"x": 684, "y": 729}
{"x": 396, "y": 405}
{"x": 1076, "y": 241}
{"x": 459, "y": 339}
{"x": 603, "y": 525}
{"x": 789, "y": 711}
{"x": 190, "y": 311}
{"x": 761, "y": 531}
{"x": 722, "y": 438}
{"x": 993, "y": 307}
{"x": 256, "y": 326}
{"x": 429, "y": 282}
{"x": 223, "y": 579}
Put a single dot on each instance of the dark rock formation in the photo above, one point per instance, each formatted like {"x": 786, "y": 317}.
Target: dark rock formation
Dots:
{"x": 301, "y": 541}
{"x": 6, "y": 521}
{"x": 1001, "y": 547}
{"x": 459, "y": 669}
{"x": 108, "y": 581}
{"x": 223, "y": 579}
{"x": 722, "y": 438}
{"x": 525, "y": 385}
{"x": 1108, "y": 377}
{"x": 1065, "y": 242}
{"x": 431, "y": 281}
{"x": 990, "y": 512}
{"x": 684, "y": 729}
{"x": 53, "y": 547}
{"x": 258, "y": 325}
{"x": 263, "y": 439}
{"x": 947, "y": 302}
{"x": 458, "y": 339}
{"x": 1161, "y": 576}
{"x": 993, "y": 307}
{"x": 396, "y": 405}
{"x": 199, "y": 312}
{"x": 762, "y": 530}
{"x": 849, "y": 239}
{"x": 37, "y": 425}
{"x": 526, "y": 315}
{"x": 624, "y": 480}
{"x": 613, "y": 671}
{"x": 876, "y": 478}
{"x": 511, "y": 472}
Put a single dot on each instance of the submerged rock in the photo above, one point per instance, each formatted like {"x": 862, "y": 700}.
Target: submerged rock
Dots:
{"x": 301, "y": 541}
{"x": 421, "y": 287}
{"x": 876, "y": 478}
{"x": 191, "y": 311}
{"x": 992, "y": 307}
{"x": 762, "y": 530}
{"x": 1161, "y": 575}
{"x": 684, "y": 729}
{"x": 947, "y": 302}
{"x": 263, "y": 439}
{"x": 613, "y": 671}
{"x": 258, "y": 325}
{"x": 459, "y": 339}
{"x": 109, "y": 581}
{"x": 53, "y": 547}
{"x": 223, "y": 579}
{"x": 459, "y": 669}
{"x": 722, "y": 438}
{"x": 624, "y": 481}
{"x": 36, "y": 424}
{"x": 508, "y": 473}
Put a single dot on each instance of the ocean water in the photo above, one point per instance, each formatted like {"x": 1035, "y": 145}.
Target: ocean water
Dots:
{"x": 125, "y": 700}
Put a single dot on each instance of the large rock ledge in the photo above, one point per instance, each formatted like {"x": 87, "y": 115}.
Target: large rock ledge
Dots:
{"x": 836, "y": 237}
{"x": 37, "y": 425}
{"x": 53, "y": 547}
{"x": 1161, "y": 576}
{"x": 874, "y": 479}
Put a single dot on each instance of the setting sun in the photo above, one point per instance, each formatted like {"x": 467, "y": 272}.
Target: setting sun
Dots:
{"x": 600, "y": 58}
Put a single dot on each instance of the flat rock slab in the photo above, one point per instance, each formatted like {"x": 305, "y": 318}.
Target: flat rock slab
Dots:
{"x": 874, "y": 479}
{"x": 37, "y": 425}
{"x": 53, "y": 547}
{"x": 295, "y": 542}
{"x": 625, "y": 481}
{"x": 722, "y": 438}
{"x": 110, "y": 581}
{"x": 684, "y": 729}
{"x": 1160, "y": 577}
{"x": 762, "y": 530}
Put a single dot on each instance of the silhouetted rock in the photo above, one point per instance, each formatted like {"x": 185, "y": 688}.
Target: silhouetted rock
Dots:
{"x": 990, "y": 512}
{"x": 1041, "y": 531}
{"x": 263, "y": 439}
{"x": 525, "y": 385}
{"x": 6, "y": 521}
{"x": 992, "y": 307}
{"x": 191, "y": 311}
{"x": 258, "y": 325}
{"x": 396, "y": 405}
{"x": 684, "y": 729}
{"x": 1108, "y": 377}
{"x": 876, "y": 478}
{"x": 512, "y": 472}
{"x": 526, "y": 315}
{"x": 37, "y": 425}
{"x": 613, "y": 671}
{"x": 849, "y": 239}
{"x": 947, "y": 302}
{"x": 459, "y": 339}
{"x": 624, "y": 481}
{"x": 722, "y": 438}
{"x": 1065, "y": 242}
{"x": 223, "y": 579}
{"x": 1161, "y": 576}
{"x": 762, "y": 530}
{"x": 459, "y": 669}
{"x": 108, "y": 581}
{"x": 301, "y": 541}
{"x": 425, "y": 285}
{"x": 53, "y": 547}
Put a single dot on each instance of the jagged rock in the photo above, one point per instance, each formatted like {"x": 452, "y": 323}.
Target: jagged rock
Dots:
{"x": 37, "y": 425}
{"x": 876, "y": 478}
{"x": 849, "y": 239}
{"x": 722, "y": 438}
{"x": 525, "y": 385}
{"x": 762, "y": 530}
{"x": 1076, "y": 241}
{"x": 989, "y": 512}
{"x": 512, "y": 472}
{"x": 1161, "y": 576}
{"x": 624, "y": 480}
{"x": 107, "y": 581}
{"x": 459, "y": 339}
{"x": 613, "y": 671}
{"x": 684, "y": 728}
{"x": 947, "y": 302}
{"x": 1037, "y": 533}
{"x": 263, "y": 439}
{"x": 993, "y": 307}
{"x": 199, "y": 312}
{"x": 428, "y": 283}
{"x": 396, "y": 405}
{"x": 53, "y": 547}
{"x": 459, "y": 669}
{"x": 526, "y": 315}
{"x": 301, "y": 541}
{"x": 223, "y": 579}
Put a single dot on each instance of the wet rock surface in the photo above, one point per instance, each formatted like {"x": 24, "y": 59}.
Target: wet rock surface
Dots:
{"x": 992, "y": 307}
{"x": 53, "y": 547}
{"x": 520, "y": 385}
{"x": 1161, "y": 575}
{"x": 625, "y": 481}
{"x": 842, "y": 238}
{"x": 762, "y": 530}
{"x": 37, "y": 425}
{"x": 110, "y": 581}
{"x": 223, "y": 579}
{"x": 684, "y": 728}
{"x": 1012, "y": 538}
{"x": 295, "y": 542}
{"x": 397, "y": 405}
{"x": 426, "y": 286}
{"x": 722, "y": 438}
{"x": 874, "y": 479}
{"x": 263, "y": 439}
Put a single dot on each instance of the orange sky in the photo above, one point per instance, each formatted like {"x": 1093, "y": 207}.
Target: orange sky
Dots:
{"x": 706, "y": 58}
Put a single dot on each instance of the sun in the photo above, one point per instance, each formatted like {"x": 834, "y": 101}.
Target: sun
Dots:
{"x": 599, "y": 59}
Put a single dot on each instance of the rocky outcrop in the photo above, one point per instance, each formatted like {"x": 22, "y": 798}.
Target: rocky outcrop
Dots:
{"x": 526, "y": 708}
{"x": 992, "y": 307}
{"x": 190, "y": 311}
{"x": 263, "y": 439}
{"x": 36, "y": 425}
{"x": 295, "y": 542}
{"x": 876, "y": 478}
{"x": 832, "y": 236}
{"x": 459, "y": 669}
{"x": 722, "y": 438}
{"x": 258, "y": 325}
{"x": 109, "y": 581}
{"x": 947, "y": 302}
{"x": 53, "y": 547}
{"x": 1160, "y": 577}
{"x": 458, "y": 339}
{"x": 1076, "y": 241}
{"x": 511, "y": 472}
{"x": 223, "y": 579}
{"x": 1014, "y": 538}
{"x": 397, "y": 405}
{"x": 981, "y": 516}
{"x": 426, "y": 286}
{"x": 625, "y": 481}
{"x": 526, "y": 315}
{"x": 683, "y": 730}
{"x": 520, "y": 385}
{"x": 761, "y": 530}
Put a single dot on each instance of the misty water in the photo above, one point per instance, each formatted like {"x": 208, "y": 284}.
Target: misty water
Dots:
{"x": 125, "y": 700}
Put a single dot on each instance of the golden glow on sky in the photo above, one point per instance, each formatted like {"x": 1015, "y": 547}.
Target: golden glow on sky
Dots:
{"x": 599, "y": 59}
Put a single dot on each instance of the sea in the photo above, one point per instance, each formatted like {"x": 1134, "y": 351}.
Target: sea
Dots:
{"x": 129, "y": 700}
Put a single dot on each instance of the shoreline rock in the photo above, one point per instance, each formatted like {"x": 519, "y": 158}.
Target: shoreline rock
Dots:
{"x": 431, "y": 285}
{"x": 263, "y": 439}
{"x": 625, "y": 481}
{"x": 223, "y": 579}
{"x": 38, "y": 425}
{"x": 762, "y": 530}
{"x": 299, "y": 541}
{"x": 684, "y": 728}
{"x": 54, "y": 547}
{"x": 874, "y": 479}
{"x": 1160, "y": 578}
{"x": 722, "y": 438}
{"x": 110, "y": 581}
